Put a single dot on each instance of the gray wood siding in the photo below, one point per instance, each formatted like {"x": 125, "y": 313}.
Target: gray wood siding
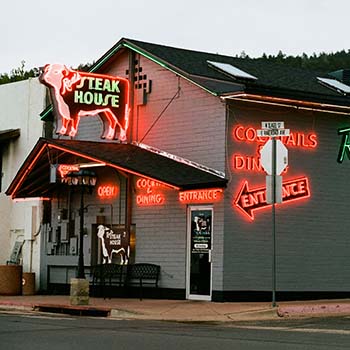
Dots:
{"x": 161, "y": 238}
{"x": 313, "y": 241}
{"x": 192, "y": 126}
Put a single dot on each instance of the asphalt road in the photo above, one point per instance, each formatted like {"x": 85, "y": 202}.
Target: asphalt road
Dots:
{"x": 50, "y": 332}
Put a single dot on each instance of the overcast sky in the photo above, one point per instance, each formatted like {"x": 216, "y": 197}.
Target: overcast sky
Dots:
{"x": 80, "y": 31}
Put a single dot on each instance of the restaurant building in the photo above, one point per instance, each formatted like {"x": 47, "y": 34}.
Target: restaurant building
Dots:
{"x": 171, "y": 137}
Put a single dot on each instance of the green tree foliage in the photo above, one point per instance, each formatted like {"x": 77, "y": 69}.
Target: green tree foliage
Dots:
{"x": 324, "y": 62}
{"x": 20, "y": 73}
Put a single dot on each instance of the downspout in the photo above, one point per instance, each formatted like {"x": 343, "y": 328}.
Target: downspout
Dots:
{"x": 129, "y": 180}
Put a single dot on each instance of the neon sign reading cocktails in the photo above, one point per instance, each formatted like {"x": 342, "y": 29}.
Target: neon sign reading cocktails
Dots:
{"x": 295, "y": 139}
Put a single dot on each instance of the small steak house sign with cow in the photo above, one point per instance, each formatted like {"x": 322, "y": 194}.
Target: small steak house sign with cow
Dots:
{"x": 114, "y": 242}
{"x": 79, "y": 94}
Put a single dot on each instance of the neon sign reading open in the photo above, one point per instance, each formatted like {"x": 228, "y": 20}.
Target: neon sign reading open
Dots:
{"x": 107, "y": 191}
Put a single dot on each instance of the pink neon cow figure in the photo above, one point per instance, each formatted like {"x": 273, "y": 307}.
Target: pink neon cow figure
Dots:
{"x": 79, "y": 94}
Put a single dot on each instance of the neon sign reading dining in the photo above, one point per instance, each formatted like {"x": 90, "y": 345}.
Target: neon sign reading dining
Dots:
{"x": 249, "y": 200}
{"x": 152, "y": 196}
{"x": 80, "y": 94}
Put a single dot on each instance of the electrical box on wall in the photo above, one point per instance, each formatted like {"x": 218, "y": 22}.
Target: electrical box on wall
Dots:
{"x": 64, "y": 231}
{"x": 50, "y": 248}
{"x": 73, "y": 243}
{"x": 62, "y": 215}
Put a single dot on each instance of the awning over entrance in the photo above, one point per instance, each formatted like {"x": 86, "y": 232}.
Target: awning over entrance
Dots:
{"x": 33, "y": 178}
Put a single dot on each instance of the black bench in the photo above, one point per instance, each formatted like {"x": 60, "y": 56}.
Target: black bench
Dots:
{"x": 108, "y": 275}
{"x": 142, "y": 274}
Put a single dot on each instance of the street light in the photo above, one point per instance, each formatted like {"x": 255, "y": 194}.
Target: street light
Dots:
{"x": 86, "y": 180}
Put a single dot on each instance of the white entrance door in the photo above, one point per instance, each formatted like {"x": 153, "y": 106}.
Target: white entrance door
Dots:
{"x": 199, "y": 248}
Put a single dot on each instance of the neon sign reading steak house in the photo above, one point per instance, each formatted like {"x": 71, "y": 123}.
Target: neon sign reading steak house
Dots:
{"x": 79, "y": 94}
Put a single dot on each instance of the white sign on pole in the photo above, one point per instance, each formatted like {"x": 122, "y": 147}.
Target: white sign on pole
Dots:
{"x": 269, "y": 189}
{"x": 273, "y": 132}
{"x": 272, "y": 125}
{"x": 281, "y": 157}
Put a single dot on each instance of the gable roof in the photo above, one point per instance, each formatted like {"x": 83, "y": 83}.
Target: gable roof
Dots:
{"x": 33, "y": 178}
{"x": 275, "y": 80}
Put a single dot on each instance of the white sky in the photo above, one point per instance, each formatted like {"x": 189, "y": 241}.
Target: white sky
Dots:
{"x": 80, "y": 31}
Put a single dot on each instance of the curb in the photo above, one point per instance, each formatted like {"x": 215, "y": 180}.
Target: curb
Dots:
{"x": 336, "y": 309}
{"x": 263, "y": 314}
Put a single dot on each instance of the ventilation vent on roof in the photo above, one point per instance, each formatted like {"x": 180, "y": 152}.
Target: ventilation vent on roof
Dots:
{"x": 231, "y": 70}
{"x": 335, "y": 85}
{"x": 342, "y": 75}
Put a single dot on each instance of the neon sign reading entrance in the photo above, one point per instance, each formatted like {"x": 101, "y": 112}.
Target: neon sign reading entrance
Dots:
{"x": 80, "y": 94}
{"x": 249, "y": 200}
{"x": 200, "y": 196}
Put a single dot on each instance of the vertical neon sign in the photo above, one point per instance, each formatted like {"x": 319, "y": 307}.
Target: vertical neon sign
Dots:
{"x": 345, "y": 144}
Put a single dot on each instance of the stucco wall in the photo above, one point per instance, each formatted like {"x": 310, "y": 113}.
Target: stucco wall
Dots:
{"x": 21, "y": 103}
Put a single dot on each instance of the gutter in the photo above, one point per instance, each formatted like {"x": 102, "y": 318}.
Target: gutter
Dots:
{"x": 286, "y": 102}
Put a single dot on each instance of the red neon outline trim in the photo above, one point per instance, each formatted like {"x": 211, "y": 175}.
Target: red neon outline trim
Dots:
{"x": 29, "y": 199}
{"x": 111, "y": 165}
{"x": 29, "y": 168}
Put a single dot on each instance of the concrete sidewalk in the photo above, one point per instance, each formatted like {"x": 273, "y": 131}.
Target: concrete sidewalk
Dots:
{"x": 177, "y": 310}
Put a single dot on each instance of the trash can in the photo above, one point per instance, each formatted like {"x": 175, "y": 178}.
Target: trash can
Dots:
{"x": 10, "y": 279}
{"x": 28, "y": 283}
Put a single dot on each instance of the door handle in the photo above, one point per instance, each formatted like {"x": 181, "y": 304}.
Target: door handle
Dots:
{"x": 209, "y": 255}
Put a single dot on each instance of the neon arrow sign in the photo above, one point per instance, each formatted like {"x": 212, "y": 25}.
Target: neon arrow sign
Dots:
{"x": 250, "y": 200}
